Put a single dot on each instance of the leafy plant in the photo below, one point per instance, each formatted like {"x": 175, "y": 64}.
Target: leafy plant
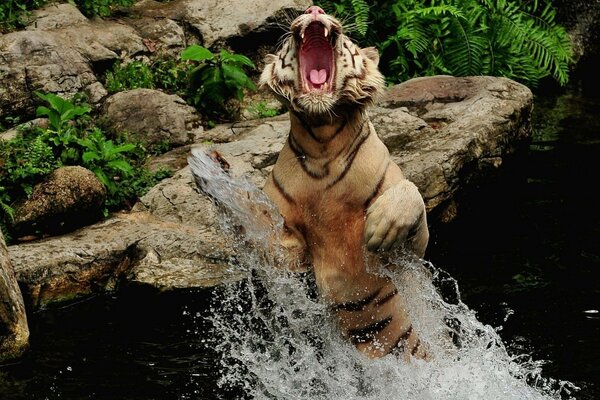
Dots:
{"x": 59, "y": 111}
{"x": 133, "y": 75}
{"x": 162, "y": 73}
{"x": 62, "y": 133}
{"x": 106, "y": 159}
{"x": 70, "y": 139}
{"x": 262, "y": 110}
{"x": 216, "y": 78}
{"x": 356, "y": 11}
{"x": 14, "y": 13}
{"x": 518, "y": 40}
{"x": 171, "y": 75}
{"x": 101, "y": 8}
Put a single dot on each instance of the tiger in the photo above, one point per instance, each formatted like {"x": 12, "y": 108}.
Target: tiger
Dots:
{"x": 345, "y": 204}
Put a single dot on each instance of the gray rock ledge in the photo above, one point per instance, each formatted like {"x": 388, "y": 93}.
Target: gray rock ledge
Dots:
{"x": 443, "y": 131}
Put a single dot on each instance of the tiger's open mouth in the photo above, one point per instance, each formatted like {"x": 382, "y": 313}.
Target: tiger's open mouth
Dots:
{"x": 316, "y": 58}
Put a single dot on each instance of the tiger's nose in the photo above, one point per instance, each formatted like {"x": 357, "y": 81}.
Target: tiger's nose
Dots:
{"x": 314, "y": 11}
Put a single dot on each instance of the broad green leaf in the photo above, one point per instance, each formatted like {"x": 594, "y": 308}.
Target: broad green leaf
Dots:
{"x": 120, "y": 165}
{"x": 43, "y": 110}
{"x": 235, "y": 74}
{"x": 89, "y": 156}
{"x": 197, "y": 53}
{"x": 228, "y": 57}
{"x": 124, "y": 148}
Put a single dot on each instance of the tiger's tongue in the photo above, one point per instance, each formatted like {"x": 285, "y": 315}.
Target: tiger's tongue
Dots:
{"x": 318, "y": 77}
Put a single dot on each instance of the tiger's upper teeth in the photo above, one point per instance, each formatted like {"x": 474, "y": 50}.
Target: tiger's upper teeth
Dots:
{"x": 302, "y": 35}
{"x": 326, "y": 32}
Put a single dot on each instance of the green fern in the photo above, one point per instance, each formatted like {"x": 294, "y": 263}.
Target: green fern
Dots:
{"x": 356, "y": 11}
{"x": 361, "y": 16}
{"x": 518, "y": 40}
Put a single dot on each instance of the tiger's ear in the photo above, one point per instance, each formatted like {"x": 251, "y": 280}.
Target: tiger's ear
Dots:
{"x": 372, "y": 54}
{"x": 270, "y": 58}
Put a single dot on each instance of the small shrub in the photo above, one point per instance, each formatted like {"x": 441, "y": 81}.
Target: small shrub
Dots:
{"x": 71, "y": 139}
{"x": 162, "y": 73}
{"x": 171, "y": 75}
{"x": 133, "y": 75}
{"x": 216, "y": 79}
{"x": 101, "y": 8}
{"x": 262, "y": 110}
{"x": 14, "y": 13}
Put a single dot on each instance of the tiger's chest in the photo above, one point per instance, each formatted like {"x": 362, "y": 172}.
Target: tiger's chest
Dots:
{"x": 325, "y": 198}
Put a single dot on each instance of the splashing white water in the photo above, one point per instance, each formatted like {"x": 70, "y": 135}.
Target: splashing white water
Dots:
{"x": 279, "y": 342}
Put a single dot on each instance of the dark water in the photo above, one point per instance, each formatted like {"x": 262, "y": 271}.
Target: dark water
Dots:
{"x": 526, "y": 241}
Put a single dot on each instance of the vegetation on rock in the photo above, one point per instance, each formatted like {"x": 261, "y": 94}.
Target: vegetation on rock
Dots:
{"x": 14, "y": 13}
{"x": 71, "y": 138}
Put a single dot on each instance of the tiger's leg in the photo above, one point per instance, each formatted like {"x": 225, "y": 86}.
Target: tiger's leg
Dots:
{"x": 370, "y": 312}
{"x": 397, "y": 217}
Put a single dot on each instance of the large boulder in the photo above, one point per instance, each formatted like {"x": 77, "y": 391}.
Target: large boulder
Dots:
{"x": 36, "y": 61}
{"x": 70, "y": 197}
{"x": 443, "y": 131}
{"x": 452, "y": 130}
{"x": 129, "y": 248}
{"x": 217, "y": 21}
{"x": 14, "y": 330}
{"x": 153, "y": 117}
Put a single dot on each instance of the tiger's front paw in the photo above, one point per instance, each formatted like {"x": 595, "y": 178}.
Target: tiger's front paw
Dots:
{"x": 397, "y": 217}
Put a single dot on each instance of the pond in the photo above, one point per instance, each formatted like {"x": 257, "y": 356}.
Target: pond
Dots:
{"x": 524, "y": 251}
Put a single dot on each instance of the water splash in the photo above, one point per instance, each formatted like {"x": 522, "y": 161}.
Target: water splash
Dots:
{"x": 279, "y": 342}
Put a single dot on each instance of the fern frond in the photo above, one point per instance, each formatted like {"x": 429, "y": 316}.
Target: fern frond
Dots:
{"x": 361, "y": 16}
{"x": 546, "y": 43}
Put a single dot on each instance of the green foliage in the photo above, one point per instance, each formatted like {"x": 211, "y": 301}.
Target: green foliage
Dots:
{"x": 14, "y": 13}
{"x": 356, "y": 11}
{"x": 60, "y": 111}
{"x": 133, "y": 75}
{"x": 106, "y": 159}
{"x": 216, "y": 78}
{"x": 162, "y": 73}
{"x": 518, "y": 40}
{"x": 101, "y": 8}
{"x": 171, "y": 75}
{"x": 70, "y": 139}
{"x": 262, "y": 110}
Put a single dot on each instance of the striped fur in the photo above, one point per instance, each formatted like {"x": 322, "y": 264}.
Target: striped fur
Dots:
{"x": 336, "y": 186}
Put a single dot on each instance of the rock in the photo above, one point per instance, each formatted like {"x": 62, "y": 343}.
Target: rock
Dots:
{"x": 162, "y": 36}
{"x": 153, "y": 117}
{"x": 128, "y": 248}
{"x": 68, "y": 198}
{"x": 443, "y": 131}
{"x": 14, "y": 330}
{"x": 13, "y": 132}
{"x": 55, "y": 16}
{"x": 471, "y": 124}
{"x": 38, "y": 61}
{"x": 176, "y": 200}
{"x": 216, "y": 21}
